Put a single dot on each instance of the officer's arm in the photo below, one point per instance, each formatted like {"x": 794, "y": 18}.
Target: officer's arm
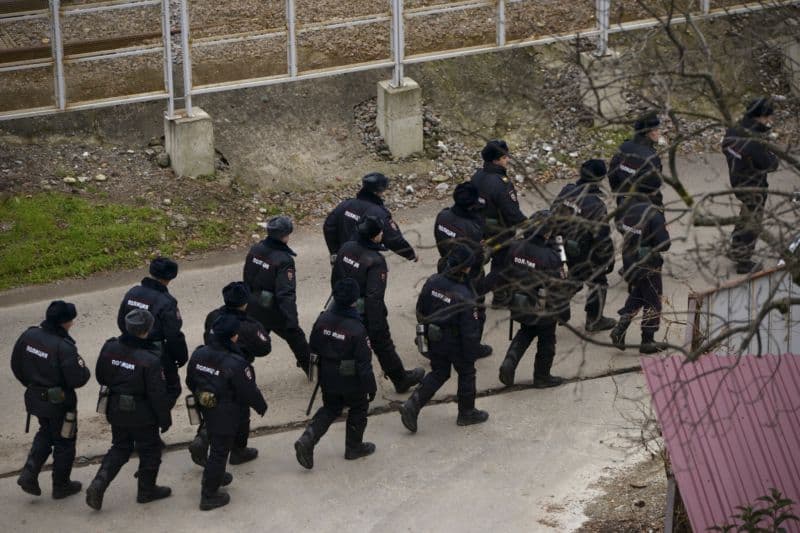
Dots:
{"x": 330, "y": 229}
{"x": 210, "y": 317}
{"x": 254, "y": 339}
{"x": 244, "y": 382}
{"x": 470, "y": 330}
{"x": 121, "y": 316}
{"x": 73, "y": 368}
{"x": 659, "y": 239}
{"x": 763, "y": 159}
{"x": 171, "y": 325}
{"x": 393, "y": 239}
{"x": 374, "y": 305}
{"x": 614, "y": 179}
{"x": 250, "y": 272}
{"x": 363, "y": 357}
{"x": 508, "y": 207}
{"x": 190, "y": 382}
{"x": 16, "y": 362}
{"x": 285, "y": 293}
{"x": 156, "y": 390}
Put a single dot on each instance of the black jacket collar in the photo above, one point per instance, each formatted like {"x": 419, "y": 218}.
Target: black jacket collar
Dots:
{"x": 465, "y": 213}
{"x": 135, "y": 342}
{"x": 55, "y": 329}
{"x": 367, "y": 243}
{"x": 349, "y": 312}
{"x": 154, "y": 284}
{"x": 644, "y": 140}
{"x": 275, "y": 244}
{"x": 591, "y": 186}
{"x": 368, "y": 196}
{"x": 750, "y": 124}
{"x": 490, "y": 167}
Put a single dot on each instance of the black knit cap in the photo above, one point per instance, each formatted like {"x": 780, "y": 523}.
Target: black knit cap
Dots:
{"x": 375, "y": 182}
{"x": 460, "y": 256}
{"x": 235, "y": 294}
{"x": 465, "y": 195}
{"x": 646, "y": 122}
{"x": 138, "y": 322}
{"x": 225, "y": 326}
{"x": 59, "y": 312}
{"x": 279, "y": 227}
{"x": 494, "y": 150}
{"x": 760, "y": 107}
{"x": 163, "y": 268}
{"x": 593, "y": 170}
{"x": 369, "y": 226}
{"x": 346, "y": 292}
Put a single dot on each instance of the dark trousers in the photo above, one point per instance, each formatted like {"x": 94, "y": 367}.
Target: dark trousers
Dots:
{"x": 147, "y": 443}
{"x": 296, "y": 339}
{"x": 748, "y": 226}
{"x": 332, "y": 406}
{"x": 545, "y": 336}
{"x": 440, "y": 373}
{"x": 243, "y": 430}
{"x": 48, "y": 439}
{"x": 220, "y": 448}
{"x": 172, "y": 378}
{"x": 380, "y": 339}
{"x": 495, "y": 282}
{"x": 596, "y": 283}
{"x": 644, "y": 292}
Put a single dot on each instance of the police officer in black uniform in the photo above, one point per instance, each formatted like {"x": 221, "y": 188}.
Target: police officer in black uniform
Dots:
{"x": 447, "y": 307}
{"x": 153, "y": 296}
{"x": 345, "y": 375}
{"x": 46, "y": 361}
{"x": 645, "y": 238}
{"x": 749, "y": 162}
{"x": 253, "y": 342}
{"x": 269, "y": 273}
{"x": 540, "y": 297}
{"x": 580, "y": 217}
{"x": 463, "y": 224}
{"x": 361, "y": 259}
{"x": 500, "y": 210}
{"x": 636, "y": 159}
{"x": 137, "y": 406}
{"x": 223, "y": 383}
{"x": 340, "y": 225}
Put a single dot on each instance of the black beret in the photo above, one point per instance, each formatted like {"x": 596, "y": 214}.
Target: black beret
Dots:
{"x": 235, "y": 294}
{"x": 163, "y": 268}
{"x": 138, "y": 322}
{"x": 346, "y": 292}
{"x": 494, "y": 150}
{"x": 369, "y": 226}
{"x": 465, "y": 195}
{"x": 375, "y": 182}
{"x": 460, "y": 256}
{"x": 646, "y": 122}
{"x": 59, "y": 312}
{"x": 225, "y": 326}
{"x": 279, "y": 226}
{"x": 760, "y": 107}
{"x": 593, "y": 170}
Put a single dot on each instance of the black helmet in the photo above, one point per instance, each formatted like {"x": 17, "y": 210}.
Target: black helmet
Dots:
{"x": 760, "y": 107}
{"x": 279, "y": 226}
{"x": 375, "y": 182}
{"x": 369, "y": 226}
{"x": 494, "y": 150}
{"x": 646, "y": 122}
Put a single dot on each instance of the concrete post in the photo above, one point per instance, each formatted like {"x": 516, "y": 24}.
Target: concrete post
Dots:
{"x": 189, "y": 141}
{"x": 602, "y": 84}
{"x": 400, "y": 116}
{"x": 791, "y": 61}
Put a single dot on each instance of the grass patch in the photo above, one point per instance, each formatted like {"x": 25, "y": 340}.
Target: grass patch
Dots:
{"x": 52, "y": 236}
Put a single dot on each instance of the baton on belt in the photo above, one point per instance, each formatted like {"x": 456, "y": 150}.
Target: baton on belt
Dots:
{"x": 28, "y": 423}
{"x": 313, "y": 397}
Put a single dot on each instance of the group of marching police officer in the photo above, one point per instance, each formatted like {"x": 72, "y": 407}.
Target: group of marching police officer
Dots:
{"x": 537, "y": 264}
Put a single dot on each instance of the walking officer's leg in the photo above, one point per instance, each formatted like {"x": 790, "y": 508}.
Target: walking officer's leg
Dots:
{"x": 545, "y": 354}
{"x": 467, "y": 414}
{"x": 432, "y": 382}
{"x": 332, "y": 405}
{"x": 40, "y": 450}
{"x": 355, "y": 447}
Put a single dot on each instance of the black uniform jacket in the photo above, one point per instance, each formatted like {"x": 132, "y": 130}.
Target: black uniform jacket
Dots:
{"x": 749, "y": 160}
{"x": 131, "y": 366}
{"x": 340, "y": 340}
{"x": 340, "y": 225}
{"x": 220, "y": 369}
{"x": 534, "y": 271}
{"x": 449, "y": 303}
{"x": 498, "y": 198}
{"x": 253, "y": 340}
{"x": 153, "y": 296}
{"x": 362, "y": 260}
{"x": 458, "y": 226}
{"x": 269, "y": 266}
{"x": 645, "y": 237}
{"x": 635, "y": 160}
{"x": 44, "y": 357}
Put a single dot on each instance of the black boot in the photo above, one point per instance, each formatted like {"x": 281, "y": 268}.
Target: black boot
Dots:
{"x": 501, "y": 299}
{"x": 29, "y": 482}
{"x": 484, "y": 351}
{"x": 649, "y": 345}
{"x": 601, "y": 324}
{"x": 97, "y": 488}
{"x": 242, "y": 455}
{"x": 618, "y": 333}
{"x": 67, "y": 489}
{"x": 362, "y": 450}
{"x": 211, "y": 500}
{"x": 545, "y": 382}
{"x": 148, "y": 490}
{"x": 472, "y": 416}
{"x": 198, "y": 448}
{"x": 304, "y": 449}
{"x": 408, "y": 379}
{"x": 409, "y": 411}
{"x": 227, "y": 479}
{"x": 509, "y": 365}
{"x": 595, "y": 321}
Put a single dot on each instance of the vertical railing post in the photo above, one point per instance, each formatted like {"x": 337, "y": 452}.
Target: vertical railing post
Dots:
{"x": 501, "y": 22}
{"x": 603, "y": 14}
{"x": 398, "y": 42}
{"x": 187, "y": 59}
{"x": 706, "y": 6}
{"x": 57, "y": 48}
{"x": 166, "y": 35}
{"x": 291, "y": 33}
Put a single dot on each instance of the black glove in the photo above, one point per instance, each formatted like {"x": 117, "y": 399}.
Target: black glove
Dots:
{"x": 371, "y": 396}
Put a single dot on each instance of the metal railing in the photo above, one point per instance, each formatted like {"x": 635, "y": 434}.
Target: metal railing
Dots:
{"x": 396, "y": 58}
